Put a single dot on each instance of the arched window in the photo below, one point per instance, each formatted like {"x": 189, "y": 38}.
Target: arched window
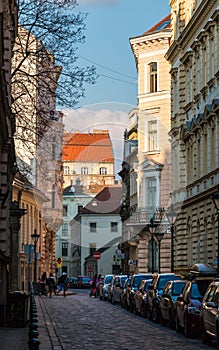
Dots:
{"x": 84, "y": 170}
{"x": 153, "y": 76}
{"x": 103, "y": 171}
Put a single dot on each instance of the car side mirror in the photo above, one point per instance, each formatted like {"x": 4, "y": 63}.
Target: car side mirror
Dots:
{"x": 180, "y": 298}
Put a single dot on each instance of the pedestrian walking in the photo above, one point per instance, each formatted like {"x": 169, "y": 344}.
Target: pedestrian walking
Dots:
{"x": 98, "y": 282}
{"x": 51, "y": 284}
{"x": 43, "y": 279}
{"x": 93, "y": 284}
{"x": 62, "y": 283}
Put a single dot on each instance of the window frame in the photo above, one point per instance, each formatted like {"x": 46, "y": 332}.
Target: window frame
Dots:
{"x": 64, "y": 248}
{"x": 93, "y": 227}
{"x": 114, "y": 226}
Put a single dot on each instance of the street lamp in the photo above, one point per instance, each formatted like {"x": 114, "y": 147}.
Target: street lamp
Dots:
{"x": 35, "y": 236}
{"x": 152, "y": 228}
{"x": 159, "y": 235}
{"x": 171, "y": 216}
{"x": 215, "y": 198}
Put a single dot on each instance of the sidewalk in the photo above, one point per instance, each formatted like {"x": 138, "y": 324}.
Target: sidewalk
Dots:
{"x": 17, "y": 338}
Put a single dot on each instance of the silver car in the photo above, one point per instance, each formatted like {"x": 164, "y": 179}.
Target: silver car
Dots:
{"x": 103, "y": 288}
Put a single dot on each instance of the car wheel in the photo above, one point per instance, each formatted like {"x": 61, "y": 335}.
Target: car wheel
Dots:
{"x": 155, "y": 317}
{"x": 205, "y": 339}
{"x": 149, "y": 313}
{"x": 187, "y": 329}
{"x": 131, "y": 309}
{"x": 178, "y": 328}
{"x": 217, "y": 336}
{"x": 163, "y": 322}
{"x": 172, "y": 320}
{"x": 135, "y": 310}
{"x": 143, "y": 310}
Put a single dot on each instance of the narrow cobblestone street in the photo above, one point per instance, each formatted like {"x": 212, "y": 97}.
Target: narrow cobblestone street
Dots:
{"x": 79, "y": 322}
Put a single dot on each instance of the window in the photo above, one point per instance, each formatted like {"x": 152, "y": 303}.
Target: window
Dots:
{"x": 92, "y": 248}
{"x": 152, "y": 185}
{"x": 152, "y": 135}
{"x": 64, "y": 249}
{"x": 66, "y": 170}
{"x": 93, "y": 227}
{"x": 153, "y": 76}
{"x": 84, "y": 170}
{"x": 114, "y": 226}
{"x": 64, "y": 210}
{"x": 64, "y": 229}
{"x": 103, "y": 171}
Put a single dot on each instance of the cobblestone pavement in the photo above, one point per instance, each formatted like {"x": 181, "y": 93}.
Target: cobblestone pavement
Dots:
{"x": 79, "y": 322}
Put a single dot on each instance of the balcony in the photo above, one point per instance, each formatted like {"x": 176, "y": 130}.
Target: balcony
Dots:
{"x": 142, "y": 216}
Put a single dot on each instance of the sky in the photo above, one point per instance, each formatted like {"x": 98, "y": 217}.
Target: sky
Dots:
{"x": 109, "y": 26}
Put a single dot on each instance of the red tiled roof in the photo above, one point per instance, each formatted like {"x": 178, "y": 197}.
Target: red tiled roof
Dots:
{"x": 165, "y": 23}
{"x": 106, "y": 201}
{"x": 92, "y": 147}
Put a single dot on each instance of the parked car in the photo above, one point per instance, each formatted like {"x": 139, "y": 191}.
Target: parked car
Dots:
{"x": 134, "y": 284}
{"x": 141, "y": 299}
{"x": 123, "y": 292}
{"x": 168, "y": 302}
{"x": 72, "y": 282}
{"x": 84, "y": 281}
{"x": 116, "y": 288}
{"x": 103, "y": 290}
{"x": 154, "y": 293}
{"x": 188, "y": 306}
{"x": 209, "y": 314}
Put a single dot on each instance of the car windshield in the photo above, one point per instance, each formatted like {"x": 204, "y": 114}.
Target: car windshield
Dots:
{"x": 147, "y": 283}
{"x": 123, "y": 280}
{"x": 137, "y": 280}
{"x": 108, "y": 279}
{"x": 178, "y": 287}
{"x": 195, "y": 294}
{"x": 164, "y": 279}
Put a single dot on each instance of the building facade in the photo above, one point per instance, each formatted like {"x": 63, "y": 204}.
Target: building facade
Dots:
{"x": 88, "y": 166}
{"x": 38, "y": 138}
{"x": 97, "y": 228}
{"x": 194, "y": 60}
{"x": 150, "y": 173}
{"x": 8, "y": 31}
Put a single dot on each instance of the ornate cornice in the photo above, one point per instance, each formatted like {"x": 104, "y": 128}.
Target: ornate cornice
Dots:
{"x": 192, "y": 28}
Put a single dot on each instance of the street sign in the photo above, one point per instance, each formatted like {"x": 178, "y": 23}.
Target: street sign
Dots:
{"x": 97, "y": 255}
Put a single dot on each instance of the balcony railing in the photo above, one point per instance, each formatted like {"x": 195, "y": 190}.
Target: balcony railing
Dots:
{"x": 144, "y": 215}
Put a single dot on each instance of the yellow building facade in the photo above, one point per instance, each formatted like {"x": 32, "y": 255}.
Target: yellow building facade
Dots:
{"x": 149, "y": 182}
